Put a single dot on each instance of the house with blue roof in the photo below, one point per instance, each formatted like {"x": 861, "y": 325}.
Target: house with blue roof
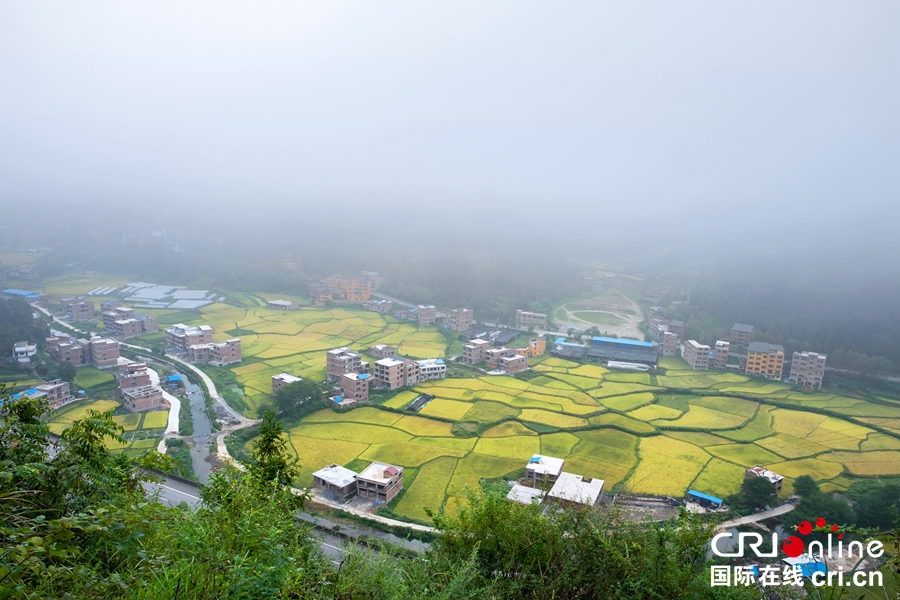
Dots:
{"x": 23, "y": 294}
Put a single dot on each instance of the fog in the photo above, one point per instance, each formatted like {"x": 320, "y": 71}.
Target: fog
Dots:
{"x": 591, "y": 123}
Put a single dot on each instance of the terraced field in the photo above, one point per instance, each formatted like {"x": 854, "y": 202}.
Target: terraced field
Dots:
{"x": 650, "y": 434}
{"x": 629, "y": 430}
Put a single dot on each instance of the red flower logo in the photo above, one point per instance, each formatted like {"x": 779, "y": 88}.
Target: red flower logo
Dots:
{"x": 793, "y": 546}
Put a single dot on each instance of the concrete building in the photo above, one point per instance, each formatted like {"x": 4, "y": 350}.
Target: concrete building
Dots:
{"x": 696, "y": 354}
{"x": 341, "y": 361}
{"x": 424, "y": 314}
{"x": 765, "y": 359}
{"x": 460, "y": 319}
{"x": 149, "y": 324}
{"x": 382, "y": 351}
{"x": 351, "y": 289}
{"x": 108, "y": 305}
{"x": 23, "y": 351}
{"x": 103, "y": 353}
{"x": 543, "y": 469}
{"x": 720, "y": 354}
{"x": 379, "y": 482}
{"x": 807, "y": 369}
{"x": 526, "y": 320}
{"x": 355, "y": 386}
{"x": 384, "y": 307}
{"x": 139, "y": 399}
{"x": 281, "y": 380}
{"x": 390, "y": 373}
{"x": 670, "y": 344}
{"x": 283, "y": 305}
{"x": 757, "y": 471}
{"x": 320, "y": 295}
{"x": 55, "y": 392}
{"x": 430, "y": 369}
{"x": 78, "y": 309}
{"x": 492, "y": 356}
{"x": 180, "y": 337}
{"x": 571, "y": 489}
{"x": 63, "y": 349}
{"x": 336, "y": 479}
{"x": 218, "y": 354}
{"x": 677, "y": 327}
{"x": 536, "y": 347}
{"x": 474, "y": 352}
{"x": 605, "y": 349}
{"x": 741, "y": 334}
{"x": 513, "y": 364}
{"x": 133, "y": 375}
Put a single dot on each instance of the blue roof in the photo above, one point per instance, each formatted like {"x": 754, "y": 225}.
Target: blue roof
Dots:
{"x": 606, "y": 340}
{"x": 439, "y": 361}
{"x": 338, "y": 398}
{"x": 24, "y": 293}
{"x": 364, "y": 376}
{"x": 561, "y": 341}
{"x": 174, "y": 377}
{"x": 697, "y": 494}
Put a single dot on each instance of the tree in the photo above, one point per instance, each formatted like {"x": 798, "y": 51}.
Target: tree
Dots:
{"x": 270, "y": 455}
{"x": 878, "y": 507}
{"x": 293, "y": 395}
{"x": 805, "y": 486}
{"x": 66, "y": 371}
{"x": 757, "y": 492}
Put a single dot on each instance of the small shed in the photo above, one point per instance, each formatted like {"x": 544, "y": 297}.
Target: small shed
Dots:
{"x": 704, "y": 500}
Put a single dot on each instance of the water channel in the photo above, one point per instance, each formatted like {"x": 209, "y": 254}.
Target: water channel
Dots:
{"x": 202, "y": 430}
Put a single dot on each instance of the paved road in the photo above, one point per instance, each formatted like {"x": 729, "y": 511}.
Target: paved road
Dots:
{"x": 173, "y": 492}
{"x": 762, "y": 516}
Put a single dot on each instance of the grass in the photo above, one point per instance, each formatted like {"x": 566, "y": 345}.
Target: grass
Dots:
{"x": 407, "y": 454}
{"x": 558, "y": 444}
{"x": 490, "y": 412}
{"x": 598, "y": 317}
{"x": 156, "y": 419}
{"x": 519, "y": 447}
{"x": 88, "y": 377}
{"x": 748, "y": 455}
{"x": 448, "y": 409}
{"x": 760, "y": 426}
{"x": 667, "y": 466}
{"x": 875, "y": 463}
{"x": 719, "y": 478}
{"x": 428, "y": 490}
{"x": 510, "y": 428}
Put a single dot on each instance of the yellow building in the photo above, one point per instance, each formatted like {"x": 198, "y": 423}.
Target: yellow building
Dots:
{"x": 765, "y": 359}
{"x": 352, "y": 288}
{"x": 536, "y": 347}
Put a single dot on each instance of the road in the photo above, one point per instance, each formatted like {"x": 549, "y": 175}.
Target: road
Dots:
{"x": 762, "y": 516}
{"x": 173, "y": 492}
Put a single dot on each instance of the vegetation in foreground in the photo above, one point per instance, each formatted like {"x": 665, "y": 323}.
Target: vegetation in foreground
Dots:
{"x": 76, "y": 524}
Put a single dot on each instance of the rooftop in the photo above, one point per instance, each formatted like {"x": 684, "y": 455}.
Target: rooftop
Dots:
{"x": 576, "y": 488}
{"x": 697, "y": 494}
{"x": 525, "y": 494}
{"x": 23, "y": 293}
{"x": 676, "y": 323}
{"x": 379, "y": 472}
{"x": 287, "y": 377}
{"x": 763, "y": 472}
{"x": 606, "y": 340}
{"x": 764, "y": 347}
{"x": 743, "y": 328}
{"x": 336, "y": 475}
{"x": 389, "y": 362}
{"x": 545, "y": 465}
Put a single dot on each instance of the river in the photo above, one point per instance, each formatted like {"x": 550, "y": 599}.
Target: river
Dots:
{"x": 202, "y": 430}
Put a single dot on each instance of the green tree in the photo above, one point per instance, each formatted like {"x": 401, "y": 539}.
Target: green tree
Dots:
{"x": 758, "y": 492}
{"x": 805, "y": 486}
{"x": 878, "y": 507}
{"x": 273, "y": 463}
{"x": 66, "y": 371}
{"x": 289, "y": 398}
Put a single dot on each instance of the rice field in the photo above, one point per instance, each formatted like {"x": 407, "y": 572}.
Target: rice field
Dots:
{"x": 156, "y": 419}
{"x": 649, "y": 434}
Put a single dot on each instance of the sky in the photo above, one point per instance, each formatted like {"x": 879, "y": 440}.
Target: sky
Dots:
{"x": 681, "y": 117}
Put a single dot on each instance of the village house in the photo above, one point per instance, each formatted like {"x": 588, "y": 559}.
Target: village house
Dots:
{"x": 336, "y": 479}
{"x": 281, "y": 380}
{"x": 379, "y": 482}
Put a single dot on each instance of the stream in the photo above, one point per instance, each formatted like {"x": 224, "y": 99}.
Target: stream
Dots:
{"x": 202, "y": 430}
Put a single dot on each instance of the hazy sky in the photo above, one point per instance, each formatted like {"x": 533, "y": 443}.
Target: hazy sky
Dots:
{"x": 761, "y": 108}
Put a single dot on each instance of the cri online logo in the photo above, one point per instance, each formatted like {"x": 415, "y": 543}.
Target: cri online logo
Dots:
{"x": 794, "y": 546}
